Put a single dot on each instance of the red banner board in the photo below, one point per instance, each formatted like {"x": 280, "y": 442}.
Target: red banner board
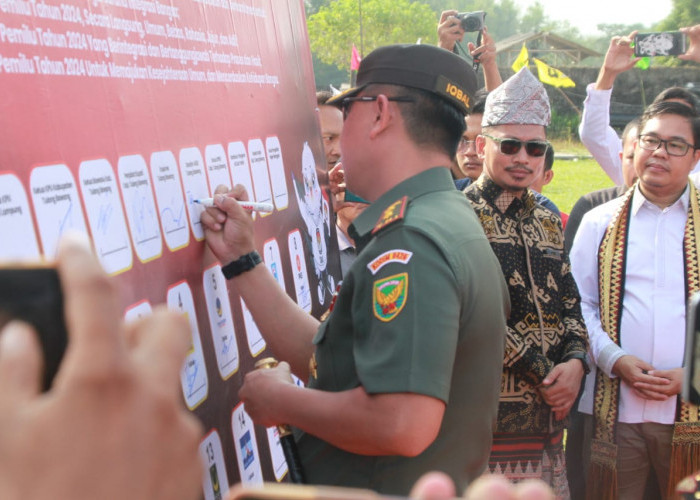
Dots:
{"x": 115, "y": 116}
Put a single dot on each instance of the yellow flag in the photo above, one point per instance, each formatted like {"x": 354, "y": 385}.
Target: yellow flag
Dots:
{"x": 552, "y": 76}
{"x": 523, "y": 59}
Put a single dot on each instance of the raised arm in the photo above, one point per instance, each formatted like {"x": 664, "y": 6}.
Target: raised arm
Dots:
{"x": 595, "y": 131}
{"x": 486, "y": 55}
{"x": 229, "y": 234}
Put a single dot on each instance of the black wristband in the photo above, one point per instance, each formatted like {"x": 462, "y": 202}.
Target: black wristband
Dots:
{"x": 244, "y": 263}
{"x": 582, "y": 357}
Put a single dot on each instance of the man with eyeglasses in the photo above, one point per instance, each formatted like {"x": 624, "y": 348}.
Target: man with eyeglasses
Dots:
{"x": 635, "y": 260}
{"x": 468, "y": 162}
{"x": 545, "y": 356}
{"x": 404, "y": 373}
{"x": 601, "y": 140}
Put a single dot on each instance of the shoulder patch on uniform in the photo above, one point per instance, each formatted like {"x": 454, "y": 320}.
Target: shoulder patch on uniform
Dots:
{"x": 393, "y": 212}
{"x": 397, "y": 255}
{"x": 389, "y": 296}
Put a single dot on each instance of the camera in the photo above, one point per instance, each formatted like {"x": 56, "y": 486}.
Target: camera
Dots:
{"x": 472, "y": 21}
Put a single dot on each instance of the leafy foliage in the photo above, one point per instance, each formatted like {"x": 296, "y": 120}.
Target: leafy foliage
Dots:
{"x": 334, "y": 25}
{"x": 684, "y": 13}
{"x": 334, "y": 28}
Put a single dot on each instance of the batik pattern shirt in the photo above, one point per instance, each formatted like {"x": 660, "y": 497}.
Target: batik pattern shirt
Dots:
{"x": 545, "y": 324}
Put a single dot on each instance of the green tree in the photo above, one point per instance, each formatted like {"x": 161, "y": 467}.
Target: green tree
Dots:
{"x": 614, "y": 29}
{"x": 336, "y": 27}
{"x": 504, "y": 20}
{"x": 461, "y": 5}
{"x": 683, "y": 13}
{"x": 534, "y": 18}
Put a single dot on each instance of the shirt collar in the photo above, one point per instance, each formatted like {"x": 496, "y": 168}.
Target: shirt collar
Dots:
{"x": 498, "y": 197}
{"x": 343, "y": 241}
{"x": 639, "y": 200}
{"x": 428, "y": 181}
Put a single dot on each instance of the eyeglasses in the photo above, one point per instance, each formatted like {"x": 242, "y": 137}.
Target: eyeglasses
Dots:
{"x": 512, "y": 146}
{"x": 345, "y": 103}
{"x": 674, "y": 147}
{"x": 464, "y": 144}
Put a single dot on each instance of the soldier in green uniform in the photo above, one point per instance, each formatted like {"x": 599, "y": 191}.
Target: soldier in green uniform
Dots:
{"x": 404, "y": 373}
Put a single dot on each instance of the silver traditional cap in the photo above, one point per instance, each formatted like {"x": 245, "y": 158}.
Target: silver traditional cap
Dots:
{"x": 521, "y": 99}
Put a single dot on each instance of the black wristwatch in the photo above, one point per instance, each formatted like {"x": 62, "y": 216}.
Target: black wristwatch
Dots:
{"x": 581, "y": 356}
{"x": 240, "y": 266}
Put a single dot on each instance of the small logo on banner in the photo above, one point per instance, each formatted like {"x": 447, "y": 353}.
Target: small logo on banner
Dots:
{"x": 389, "y": 296}
{"x": 397, "y": 255}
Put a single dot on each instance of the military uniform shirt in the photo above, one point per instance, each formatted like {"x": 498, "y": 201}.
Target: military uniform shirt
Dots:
{"x": 421, "y": 310}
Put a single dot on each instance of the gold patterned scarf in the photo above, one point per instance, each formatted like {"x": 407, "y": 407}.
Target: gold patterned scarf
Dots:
{"x": 612, "y": 254}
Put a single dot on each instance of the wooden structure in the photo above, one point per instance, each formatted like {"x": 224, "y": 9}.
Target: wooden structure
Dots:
{"x": 553, "y": 49}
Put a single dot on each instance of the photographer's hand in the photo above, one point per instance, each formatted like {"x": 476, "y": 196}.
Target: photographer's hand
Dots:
{"x": 449, "y": 30}
{"x": 693, "y": 52}
{"x": 618, "y": 59}
{"x": 113, "y": 425}
{"x": 486, "y": 55}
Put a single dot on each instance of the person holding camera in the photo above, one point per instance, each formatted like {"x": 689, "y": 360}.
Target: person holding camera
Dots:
{"x": 451, "y": 29}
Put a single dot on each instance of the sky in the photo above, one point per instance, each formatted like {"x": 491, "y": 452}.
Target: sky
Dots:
{"x": 586, "y": 14}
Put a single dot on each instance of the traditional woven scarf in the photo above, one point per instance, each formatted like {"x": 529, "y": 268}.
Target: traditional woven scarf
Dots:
{"x": 612, "y": 254}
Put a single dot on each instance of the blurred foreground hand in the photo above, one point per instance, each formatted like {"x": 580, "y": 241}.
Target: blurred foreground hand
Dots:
{"x": 113, "y": 425}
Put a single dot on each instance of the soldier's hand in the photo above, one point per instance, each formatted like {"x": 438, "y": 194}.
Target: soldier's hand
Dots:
{"x": 228, "y": 227}
{"x": 258, "y": 393}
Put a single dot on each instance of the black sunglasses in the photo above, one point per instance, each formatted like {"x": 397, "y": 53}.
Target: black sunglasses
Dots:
{"x": 512, "y": 146}
{"x": 345, "y": 103}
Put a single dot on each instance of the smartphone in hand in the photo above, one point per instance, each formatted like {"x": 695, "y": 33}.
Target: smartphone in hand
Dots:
{"x": 662, "y": 43}
{"x": 33, "y": 294}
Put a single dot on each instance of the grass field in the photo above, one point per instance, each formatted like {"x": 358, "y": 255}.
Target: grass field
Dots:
{"x": 574, "y": 178}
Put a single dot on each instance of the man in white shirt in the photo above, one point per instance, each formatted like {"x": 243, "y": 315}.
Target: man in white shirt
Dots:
{"x": 638, "y": 247}
{"x": 595, "y": 131}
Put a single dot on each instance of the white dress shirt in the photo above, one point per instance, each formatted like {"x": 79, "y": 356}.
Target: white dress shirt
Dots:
{"x": 600, "y": 138}
{"x": 653, "y": 317}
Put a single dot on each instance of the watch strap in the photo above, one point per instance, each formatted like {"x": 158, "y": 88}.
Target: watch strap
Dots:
{"x": 582, "y": 357}
{"x": 241, "y": 265}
